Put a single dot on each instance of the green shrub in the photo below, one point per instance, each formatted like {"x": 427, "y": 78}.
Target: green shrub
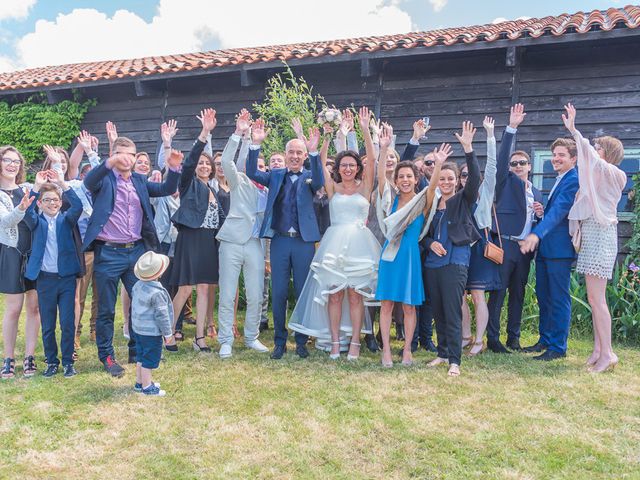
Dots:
{"x": 634, "y": 241}
{"x": 31, "y": 124}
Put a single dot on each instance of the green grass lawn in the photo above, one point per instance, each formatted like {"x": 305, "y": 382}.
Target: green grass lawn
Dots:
{"x": 251, "y": 417}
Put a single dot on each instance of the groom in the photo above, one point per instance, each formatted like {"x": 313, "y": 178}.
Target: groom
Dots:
{"x": 290, "y": 221}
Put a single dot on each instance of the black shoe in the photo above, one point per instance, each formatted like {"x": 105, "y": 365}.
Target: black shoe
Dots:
{"x": 371, "y": 342}
{"x": 69, "y": 370}
{"x": 430, "y": 346}
{"x": 497, "y": 347}
{"x": 549, "y": 355}
{"x": 278, "y": 352}
{"x": 514, "y": 345}
{"x": 113, "y": 367}
{"x": 537, "y": 348}
{"x": 50, "y": 371}
{"x": 301, "y": 351}
{"x": 263, "y": 326}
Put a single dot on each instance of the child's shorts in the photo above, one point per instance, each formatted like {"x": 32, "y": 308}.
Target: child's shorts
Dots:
{"x": 148, "y": 350}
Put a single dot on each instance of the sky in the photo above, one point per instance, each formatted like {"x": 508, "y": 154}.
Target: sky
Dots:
{"x": 36, "y": 33}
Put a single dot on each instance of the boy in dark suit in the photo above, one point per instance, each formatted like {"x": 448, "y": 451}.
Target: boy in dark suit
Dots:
{"x": 54, "y": 265}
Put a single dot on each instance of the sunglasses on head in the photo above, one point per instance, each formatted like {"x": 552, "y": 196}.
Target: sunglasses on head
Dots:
{"x": 515, "y": 163}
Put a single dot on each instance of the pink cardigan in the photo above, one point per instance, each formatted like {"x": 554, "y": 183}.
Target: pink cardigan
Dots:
{"x": 601, "y": 185}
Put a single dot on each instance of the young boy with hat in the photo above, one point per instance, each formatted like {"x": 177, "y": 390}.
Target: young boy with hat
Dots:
{"x": 151, "y": 319}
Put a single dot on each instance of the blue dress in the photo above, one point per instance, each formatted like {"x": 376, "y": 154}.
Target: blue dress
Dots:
{"x": 483, "y": 273}
{"x": 401, "y": 279}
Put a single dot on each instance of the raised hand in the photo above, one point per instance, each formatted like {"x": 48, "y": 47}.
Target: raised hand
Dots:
{"x": 440, "y": 155}
{"x": 569, "y": 119}
{"x": 94, "y": 143}
{"x": 258, "y": 132}
{"x": 296, "y": 124}
{"x": 488, "y": 125}
{"x": 56, "y": 177}
{"x": 156, "y": 176}
{"x": 364, "y": 117}
{"x": 312, "y": 141}
{"x": 168, "y": 130}
{"x": 175, "y": 159}
{"x": 112, "y": 132}
{"x": 516, "y": 117}
{"x": 41, "y": 178}
{"x": 328, "y": 129}
{"x": 347, "y": 122}
{"x": 52, "y": 154}
{"x": 85, "y": 140}
{"x": 243, "y": 122}
{"x": 208, "y": 120}
{"x": 420, "y": 129}
{"x": 26, "y": 201}
{"x": 386, "y": 136}
{"x": 466, "y": 139}
{"x": 125, "y": 161}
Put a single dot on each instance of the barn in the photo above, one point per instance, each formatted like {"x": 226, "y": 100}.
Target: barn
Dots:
{"x": 591, "y": 59}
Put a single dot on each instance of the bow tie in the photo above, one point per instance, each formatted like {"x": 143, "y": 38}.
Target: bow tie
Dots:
{"x": 297, "y": 174}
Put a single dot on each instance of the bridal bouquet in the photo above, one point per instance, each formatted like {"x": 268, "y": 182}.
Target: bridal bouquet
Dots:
{"x": 332, "y": 116}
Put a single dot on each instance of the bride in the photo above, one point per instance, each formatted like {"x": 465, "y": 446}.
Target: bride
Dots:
{"x": 347, "y": 257}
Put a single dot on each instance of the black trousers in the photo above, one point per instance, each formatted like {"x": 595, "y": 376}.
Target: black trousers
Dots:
{"x": 424, "y": 326}
{"x": 514, "y": 273}
{"x": 446, "y": 286}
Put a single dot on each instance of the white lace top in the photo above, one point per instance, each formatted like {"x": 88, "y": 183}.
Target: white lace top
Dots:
{"x": 211, "y": 218}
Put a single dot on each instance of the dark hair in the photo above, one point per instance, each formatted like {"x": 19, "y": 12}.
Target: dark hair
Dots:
{"x": 210, "y": 160}
{"x": 521, "y": 153}
{"x": 9, "y": 148}
{"x": 405, "y": 164}
{"x": 46, "y": 165}
{"x": 335, "y": 174}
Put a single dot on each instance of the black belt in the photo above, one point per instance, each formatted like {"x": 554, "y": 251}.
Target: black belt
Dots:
{"x": 289, "y": 234}
{"x": 119, "y": 245}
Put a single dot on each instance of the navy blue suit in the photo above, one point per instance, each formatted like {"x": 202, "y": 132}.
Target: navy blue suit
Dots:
{"x": 115, "y": 263}
{"x": 511, "y": 210}
{"x": 55, "y": 290}
{"x": 553, "y": 265}
{"x": 289, "y": 205}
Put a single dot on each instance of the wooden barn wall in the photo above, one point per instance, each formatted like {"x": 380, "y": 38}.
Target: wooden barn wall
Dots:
{"x": 601, "y": 78}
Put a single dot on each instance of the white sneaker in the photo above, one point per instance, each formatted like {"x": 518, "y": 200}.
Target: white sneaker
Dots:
{"x": 257, "y": 346}
{"x": 225, "y": 351}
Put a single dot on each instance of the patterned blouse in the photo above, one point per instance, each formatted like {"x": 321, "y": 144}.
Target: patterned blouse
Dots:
{"x": 211, "y": 218}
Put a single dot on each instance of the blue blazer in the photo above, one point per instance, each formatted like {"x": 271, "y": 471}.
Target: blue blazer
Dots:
{"x": 68, "y": 263}
{"x": 308, "y": 184}
{"x": 511, "y": 203}
{"x": 553, "y": 229}
{"x": 102, "y": 183}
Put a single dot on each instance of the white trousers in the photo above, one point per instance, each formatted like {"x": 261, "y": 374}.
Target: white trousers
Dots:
{"x": 233, "y": 258}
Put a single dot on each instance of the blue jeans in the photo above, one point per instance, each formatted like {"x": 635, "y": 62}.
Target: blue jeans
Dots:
{"x": 56, "y": 292}
{"x": 111, "y": 265}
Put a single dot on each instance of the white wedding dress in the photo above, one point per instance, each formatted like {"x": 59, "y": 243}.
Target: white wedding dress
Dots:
{"x": 347, "y": 257}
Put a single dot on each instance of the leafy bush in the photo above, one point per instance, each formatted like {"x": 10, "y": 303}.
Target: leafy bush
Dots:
{"x": 634, "y": 241}
{"x": 31, "y": 124}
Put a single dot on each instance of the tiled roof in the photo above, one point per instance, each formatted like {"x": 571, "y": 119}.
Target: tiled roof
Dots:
{"x": 79, "y": 73}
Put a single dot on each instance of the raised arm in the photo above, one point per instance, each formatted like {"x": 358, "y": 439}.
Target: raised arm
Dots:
{"x": 470, "y": 190}
{"x": 245, "y": 143}
{"x": 317, "y": 177}
{"x": 516, "y": 117}
{"x": 258, "y": 134}
{"x": 168, "y": 130}
{"x": 75, "y": 159}
{"x": 386, "y": 135}
{"x": 368, "y": 176}
{"x": 30, "y": 215}
{"x": 10, "y": 218}
{"x": 420, "y": 129}
{"x": 243, "y": 123}
{"x": 488, "y": 185}
{"x": 439, "y": 156}
{"x": 112, "y": 134}
{"x": 346, "y": 126}
{"x": 324, "y": 152}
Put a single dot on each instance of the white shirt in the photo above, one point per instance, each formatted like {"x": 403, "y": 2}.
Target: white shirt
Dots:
{"x": 558, "y": 178}
{"x": 528, "y": 224}
{"x": 50, "y": 259}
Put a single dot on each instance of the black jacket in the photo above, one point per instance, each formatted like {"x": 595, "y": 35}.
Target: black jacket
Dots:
{"x": 459, "y": 212}
{"x": 194, "y": 194}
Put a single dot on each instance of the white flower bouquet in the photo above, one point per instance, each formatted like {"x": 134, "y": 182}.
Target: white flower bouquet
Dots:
{"x": 332, "y": 116}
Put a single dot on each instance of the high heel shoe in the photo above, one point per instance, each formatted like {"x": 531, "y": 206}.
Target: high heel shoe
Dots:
{"x": 335, "y": 356}
{"x": 467, "y": 342}
{"x": 477, "y": 344}
{"x": 198, "y": 348}
{"x": 388, "y": 364}
{"x": 350, "y": 357}
{"x": 611, "y": 366}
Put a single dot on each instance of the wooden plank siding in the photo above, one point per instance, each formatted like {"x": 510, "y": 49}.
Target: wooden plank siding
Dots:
{"x": 602, "y": 79}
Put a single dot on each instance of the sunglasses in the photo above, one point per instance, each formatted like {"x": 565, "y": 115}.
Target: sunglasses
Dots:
{"x": 464, "y": 175}
{"x": 515, "y": 163}
{"x": 429, "y": 163}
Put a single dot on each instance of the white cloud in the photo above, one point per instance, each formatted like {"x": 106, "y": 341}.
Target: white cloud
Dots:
{"x": 15, "y": 8}
{"x": 438, "y": 5}
{"x": 182, "y": 26}
{"x": 7, "y": 64}
{"x": 502, "y": 19}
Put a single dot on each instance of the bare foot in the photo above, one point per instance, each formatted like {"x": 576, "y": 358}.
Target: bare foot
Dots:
{"x": 407, "y": 357}
{"x": 593, "y": 358}
{"x": 438, "y": 361}
{"x": 211, "y": 331}
{"x": 387, "y": 360}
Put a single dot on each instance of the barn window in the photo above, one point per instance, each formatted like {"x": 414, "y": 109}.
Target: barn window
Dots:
{"x": 543, "y": 176}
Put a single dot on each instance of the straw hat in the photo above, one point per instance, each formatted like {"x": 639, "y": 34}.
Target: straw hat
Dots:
{"x": 150, "y": 266}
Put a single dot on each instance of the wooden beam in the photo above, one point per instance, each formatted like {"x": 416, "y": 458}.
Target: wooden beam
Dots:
{"x": 54, "y": 96}
{"x": 511, "y": 59}
{"x": 515, "y": 78}
{"x": 142, "y": 89}
{"x": 248, "y": 78}
{"x": 368, "y": 68}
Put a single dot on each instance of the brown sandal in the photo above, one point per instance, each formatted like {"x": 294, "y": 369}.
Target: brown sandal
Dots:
{"x": 477, "y": 344}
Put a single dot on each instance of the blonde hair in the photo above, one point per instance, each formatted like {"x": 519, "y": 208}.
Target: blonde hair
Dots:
{"x": 613, "y": 149}
{"x": 123, "y": 142}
